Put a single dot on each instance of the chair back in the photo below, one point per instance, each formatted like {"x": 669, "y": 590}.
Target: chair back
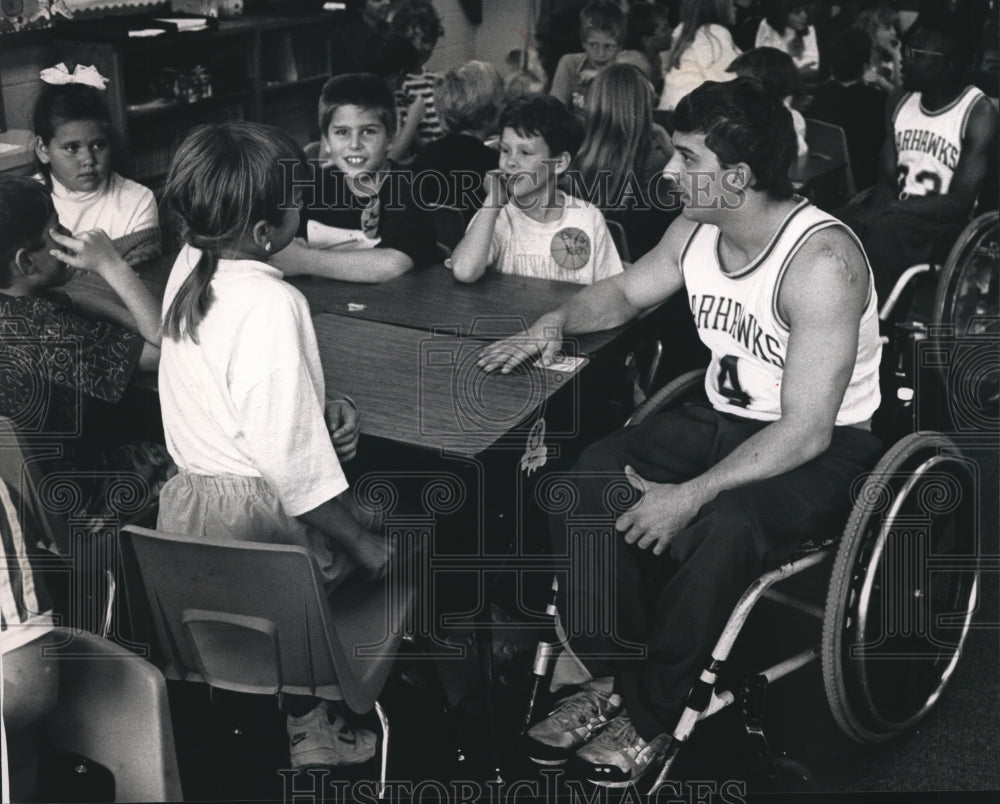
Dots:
{"x": 254, "y": 617}
{"x": 20, "y": 469}
{"x": 618, "y": 236}
{"x": 112, "y": 708}
{"x": 449, "y": 226}
{"x": 830, "y": 142}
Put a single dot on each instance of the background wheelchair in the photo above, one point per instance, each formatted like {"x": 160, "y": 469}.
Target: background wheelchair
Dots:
{"x": 904, "y": 574}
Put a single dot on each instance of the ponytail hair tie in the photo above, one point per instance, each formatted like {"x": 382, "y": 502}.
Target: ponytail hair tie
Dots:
{"x": 82, "y": 74}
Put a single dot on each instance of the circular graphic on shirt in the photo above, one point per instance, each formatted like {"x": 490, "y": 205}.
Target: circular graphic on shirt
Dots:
{"x": 570, "y": 248}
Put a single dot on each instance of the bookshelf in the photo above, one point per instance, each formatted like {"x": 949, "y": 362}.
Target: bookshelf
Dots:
{"x": 267, "y": 68}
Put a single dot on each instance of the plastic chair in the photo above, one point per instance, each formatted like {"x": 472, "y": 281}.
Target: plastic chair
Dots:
{"x": 112, "y": 708}
{"x": 20, "y": 470}
{"x": 621, "y": 241}
{"x": 449, "y": 226}
{"x": 830, "y": 142}
{"x": 254, "y": 618}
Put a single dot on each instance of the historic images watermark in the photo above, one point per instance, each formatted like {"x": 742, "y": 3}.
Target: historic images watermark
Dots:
{"x": 317, "y": 187}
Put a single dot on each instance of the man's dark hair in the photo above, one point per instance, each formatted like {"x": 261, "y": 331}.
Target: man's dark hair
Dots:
{"x": 546, "y": 117}
{"x": 743, "y": 122}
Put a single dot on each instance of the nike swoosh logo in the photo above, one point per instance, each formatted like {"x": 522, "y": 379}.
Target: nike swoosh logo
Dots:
{"x": 298, "y": 738}
{"x": 348, "y": 737}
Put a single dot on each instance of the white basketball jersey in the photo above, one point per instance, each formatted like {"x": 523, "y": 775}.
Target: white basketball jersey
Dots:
{"x": 929, "y": 144}
{"x": 738, "y": 319}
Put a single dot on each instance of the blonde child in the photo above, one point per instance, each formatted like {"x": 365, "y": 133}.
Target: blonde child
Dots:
{"x": 702, "y": 49}
{"x": 621, "y": 161}
{"x": 245, "y": 408}
{"x": 528, "y": 226}
{"x": 602, "y": 34}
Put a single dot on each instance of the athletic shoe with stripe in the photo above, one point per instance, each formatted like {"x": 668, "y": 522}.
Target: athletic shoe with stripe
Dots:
{"x": 618, "y": 756}
{"x": 323, "y": 737}
{"x": 575, "y": 720}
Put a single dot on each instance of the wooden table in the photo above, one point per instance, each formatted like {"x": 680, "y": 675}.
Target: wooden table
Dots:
{"x": 420, "y": 390}
{"x": 431, "y": 299}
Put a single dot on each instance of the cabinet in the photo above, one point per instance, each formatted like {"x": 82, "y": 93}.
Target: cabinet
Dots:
{"x": 266, "y": 68}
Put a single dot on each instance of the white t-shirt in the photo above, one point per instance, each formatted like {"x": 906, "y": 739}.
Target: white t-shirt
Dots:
{"x": 768, "y": 37}
{"x": 706, "y": 58}
{"x": 249, "y": 398}
{"x": 120, "y": 208}
{"x": 575, "y": 248}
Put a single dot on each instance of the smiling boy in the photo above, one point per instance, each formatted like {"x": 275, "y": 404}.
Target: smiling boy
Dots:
{"x": 359, "y": 221}
{"x": 528, "y": 226}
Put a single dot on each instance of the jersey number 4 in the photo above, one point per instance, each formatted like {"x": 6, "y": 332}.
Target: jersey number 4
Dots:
{"x": 728, "y": 382}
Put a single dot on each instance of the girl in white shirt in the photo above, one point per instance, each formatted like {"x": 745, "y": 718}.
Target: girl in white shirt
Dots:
{"x": 703, "y": 48}
{"x": 245, "y": 410}
{"x": 73, "y": 149}
{"x": 786, "y": 27}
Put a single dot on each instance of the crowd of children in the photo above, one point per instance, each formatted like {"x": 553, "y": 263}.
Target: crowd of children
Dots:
{"x": 536, "y": 166}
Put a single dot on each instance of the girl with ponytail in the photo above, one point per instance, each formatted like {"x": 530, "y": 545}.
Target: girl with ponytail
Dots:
{"x": 257, "y": 440}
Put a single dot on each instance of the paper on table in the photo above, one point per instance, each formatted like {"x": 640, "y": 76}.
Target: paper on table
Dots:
{"x": 320, "y": 235}
{"x": 6, "y": 147}
{"x": 186, "y": 23}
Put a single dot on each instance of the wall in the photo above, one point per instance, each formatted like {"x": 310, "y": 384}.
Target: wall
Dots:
{"x": 458, "y": 45}
{"x": 19, "y": 68}
{"x": 499, "y": 33}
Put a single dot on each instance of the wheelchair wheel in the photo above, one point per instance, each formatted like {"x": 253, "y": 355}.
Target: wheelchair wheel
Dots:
{"x": 685, "y": 387}
{"x": 968, "y": 292}
{"x": 903, "y": 589}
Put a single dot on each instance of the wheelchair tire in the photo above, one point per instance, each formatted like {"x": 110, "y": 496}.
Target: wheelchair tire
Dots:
{"x": 968, "y": 292}
{"x": 903, "y": 589}
{"x": 681, "y": 388}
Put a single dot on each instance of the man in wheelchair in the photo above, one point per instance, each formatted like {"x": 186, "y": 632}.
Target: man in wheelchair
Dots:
{"x": 937, "y": 159}
{"x": 782, "y": 295}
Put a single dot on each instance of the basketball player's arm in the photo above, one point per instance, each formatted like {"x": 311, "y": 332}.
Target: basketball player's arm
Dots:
{"x": 822, "y": 299}
{"x": 971, "y": 170}
{"x": 347, "y": 264}
{"x": 603, "y": 305}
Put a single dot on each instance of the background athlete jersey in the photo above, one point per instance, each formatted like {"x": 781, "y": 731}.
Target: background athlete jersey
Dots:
{"x": 929, "y": 144}
{"x": 738, "y": 320}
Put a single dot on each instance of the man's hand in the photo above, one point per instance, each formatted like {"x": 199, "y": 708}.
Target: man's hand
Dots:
{"x": 543, "y": 338}
{"x": 344, "y": 424}
{"x": 665, "y": 508}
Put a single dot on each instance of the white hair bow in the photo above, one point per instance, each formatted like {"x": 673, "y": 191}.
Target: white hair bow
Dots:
{"x": 82, "y": 74}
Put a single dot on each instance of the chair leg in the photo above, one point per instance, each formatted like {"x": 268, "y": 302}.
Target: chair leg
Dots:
{"x": 384, "y": 762}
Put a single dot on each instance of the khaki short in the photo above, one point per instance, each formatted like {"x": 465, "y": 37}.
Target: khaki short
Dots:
{"x": 243, "y": 509}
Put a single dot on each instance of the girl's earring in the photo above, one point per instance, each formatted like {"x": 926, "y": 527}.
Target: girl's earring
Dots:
{"x": 267, "y": 246}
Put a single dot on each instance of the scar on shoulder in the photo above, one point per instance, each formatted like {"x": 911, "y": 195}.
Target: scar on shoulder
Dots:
{"x": 842, "y": 264}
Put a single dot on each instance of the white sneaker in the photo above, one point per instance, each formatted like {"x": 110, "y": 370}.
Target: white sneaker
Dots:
{"x": 323, "y": 737}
